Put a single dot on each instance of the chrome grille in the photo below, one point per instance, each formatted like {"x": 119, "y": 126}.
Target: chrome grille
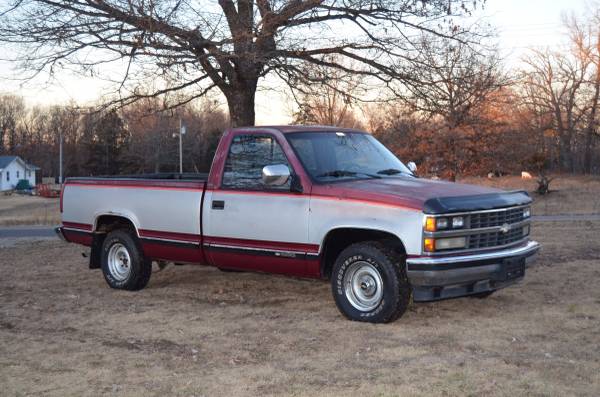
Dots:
{"x": 495, "y": 238}
{"x": 486, "y": 229}
{"x": 495, "y": 218}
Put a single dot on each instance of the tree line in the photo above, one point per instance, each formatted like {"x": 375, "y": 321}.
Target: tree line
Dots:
{"x": 139, "y": 138}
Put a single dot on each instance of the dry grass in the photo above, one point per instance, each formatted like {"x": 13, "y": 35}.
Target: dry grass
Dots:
{"x": 568, "y": 194}
{"x": 28, "y": 210}
{"x": 196, "y": 331}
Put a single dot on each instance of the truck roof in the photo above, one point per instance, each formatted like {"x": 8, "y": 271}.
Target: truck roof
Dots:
{"x": 297, "y": 128}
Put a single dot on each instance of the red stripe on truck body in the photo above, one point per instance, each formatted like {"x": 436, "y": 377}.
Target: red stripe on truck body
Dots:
{"x": 138, "y": 184}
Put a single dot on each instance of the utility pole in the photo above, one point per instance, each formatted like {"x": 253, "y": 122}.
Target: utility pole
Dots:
{"x": 60, "y": 155}
{"x": 181, "y": 133}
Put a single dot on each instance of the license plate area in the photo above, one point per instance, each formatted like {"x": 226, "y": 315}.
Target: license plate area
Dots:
{"x": 514, "y": 268}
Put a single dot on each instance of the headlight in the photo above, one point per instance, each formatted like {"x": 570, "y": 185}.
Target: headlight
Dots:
{"x": 457, "y": 222}
{"x": 527, "y": 212}
{"x": 433, "y": 224}
{"x": 442, "y": 223}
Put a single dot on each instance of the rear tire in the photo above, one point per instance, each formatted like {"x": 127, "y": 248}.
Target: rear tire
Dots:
{"x": 123, "y": 263}
{"x": 369, "y": 283}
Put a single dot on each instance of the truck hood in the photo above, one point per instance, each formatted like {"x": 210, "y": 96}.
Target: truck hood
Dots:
{"x": 430, "y": 196}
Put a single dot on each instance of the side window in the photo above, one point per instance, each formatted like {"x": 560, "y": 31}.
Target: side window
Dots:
{"x": 248, "y": 154}
{"x": 17, "y": 174}
{"x": 8, "y": 175}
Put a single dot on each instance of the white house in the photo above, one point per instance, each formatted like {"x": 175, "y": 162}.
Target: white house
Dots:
{"x": 13, "y": 169}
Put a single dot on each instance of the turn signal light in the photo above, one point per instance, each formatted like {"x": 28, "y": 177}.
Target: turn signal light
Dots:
{"x": 429, "y": 244}
{"x": 430, "y": 224}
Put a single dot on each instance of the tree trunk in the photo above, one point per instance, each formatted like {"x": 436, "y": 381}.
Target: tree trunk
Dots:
{"x": 589, "y": 149}
{"x": 241, "y": 106}
{"x": 589, "y": 145}
{"x": 565, "y": 152}
{"x": 2, "y": 133}
{"x": 591, "y": 127}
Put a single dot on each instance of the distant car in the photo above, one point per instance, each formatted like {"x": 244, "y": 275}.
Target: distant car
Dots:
{"x": 319, "y": 202}
{"x": 23, "y": 187}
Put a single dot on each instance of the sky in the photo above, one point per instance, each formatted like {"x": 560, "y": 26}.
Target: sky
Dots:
{"x": 521, "y": 24}
{"x": 527, "y": 24}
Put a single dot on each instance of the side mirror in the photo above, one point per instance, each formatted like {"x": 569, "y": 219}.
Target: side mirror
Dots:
{"x": 412, "y": 166}
{"x": 275, "y": 175}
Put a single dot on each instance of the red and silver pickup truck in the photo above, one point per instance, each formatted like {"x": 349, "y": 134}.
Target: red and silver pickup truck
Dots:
{"x": 318, "y": 202}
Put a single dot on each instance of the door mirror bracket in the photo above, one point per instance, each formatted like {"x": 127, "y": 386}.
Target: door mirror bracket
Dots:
{"x": 296, "y": 185}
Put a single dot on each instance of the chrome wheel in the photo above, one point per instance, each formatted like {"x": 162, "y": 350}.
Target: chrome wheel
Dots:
{"x": 363, "y": 286}
{"x": 119, "y": 262}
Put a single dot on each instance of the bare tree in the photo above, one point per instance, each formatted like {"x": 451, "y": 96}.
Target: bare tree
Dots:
{"x": 62, "y": 121}
{"x": 554, "y": 82}
{"x": 565, "y": 85}
{"x": 585, "y": 39}
{"x": 12, "y": 111}
{"x": 153, "y": 145}
{"x": 200, "y": 45}
{"x": 455, "y": 81}
{"x": 330, "y": 99}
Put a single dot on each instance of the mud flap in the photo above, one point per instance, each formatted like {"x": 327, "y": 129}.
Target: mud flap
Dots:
{"x": 96, "y": 251}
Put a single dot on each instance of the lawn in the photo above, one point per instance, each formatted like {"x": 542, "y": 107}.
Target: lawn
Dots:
{"x": 196, "y": 331}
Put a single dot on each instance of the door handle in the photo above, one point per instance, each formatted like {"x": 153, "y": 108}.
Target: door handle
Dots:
{"x": 218, "y": 205}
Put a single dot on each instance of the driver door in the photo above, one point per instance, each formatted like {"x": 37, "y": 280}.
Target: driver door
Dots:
{"x": 253, "y": 226}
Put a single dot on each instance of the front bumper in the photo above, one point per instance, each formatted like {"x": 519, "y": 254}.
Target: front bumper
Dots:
{"x": 436, "y": 278}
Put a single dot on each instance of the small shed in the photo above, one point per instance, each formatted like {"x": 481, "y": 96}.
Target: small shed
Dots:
{"x": 13, "y": 169}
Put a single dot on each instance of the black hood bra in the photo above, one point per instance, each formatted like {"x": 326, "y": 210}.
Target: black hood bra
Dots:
{"x": 478, "y": 202}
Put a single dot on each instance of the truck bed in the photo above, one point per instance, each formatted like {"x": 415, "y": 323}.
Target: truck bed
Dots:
{"x": 187, "y": 176}
{"x": 175, "y": 180}
{"x": 165, "y": 209}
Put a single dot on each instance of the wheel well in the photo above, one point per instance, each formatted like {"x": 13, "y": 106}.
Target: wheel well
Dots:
{"x": 338, "y": 239}
{"x": 108, "y": 223}
{"x": 104, "y": 225}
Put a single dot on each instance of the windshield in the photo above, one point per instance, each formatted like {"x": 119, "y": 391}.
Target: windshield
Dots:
{"x": 332, "y": 156}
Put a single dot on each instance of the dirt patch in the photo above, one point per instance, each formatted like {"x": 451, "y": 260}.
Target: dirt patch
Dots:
{"x": 196, "y": 331}
{"x": 28, "y": 210}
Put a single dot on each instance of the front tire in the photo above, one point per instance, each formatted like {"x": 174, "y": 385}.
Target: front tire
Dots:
{"x": 123, "y": 263}
{"x": 369, "y": 283}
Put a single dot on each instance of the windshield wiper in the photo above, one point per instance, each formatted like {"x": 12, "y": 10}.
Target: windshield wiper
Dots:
{"x": 392, "y": 171}
{"x": 343, "y": 173}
